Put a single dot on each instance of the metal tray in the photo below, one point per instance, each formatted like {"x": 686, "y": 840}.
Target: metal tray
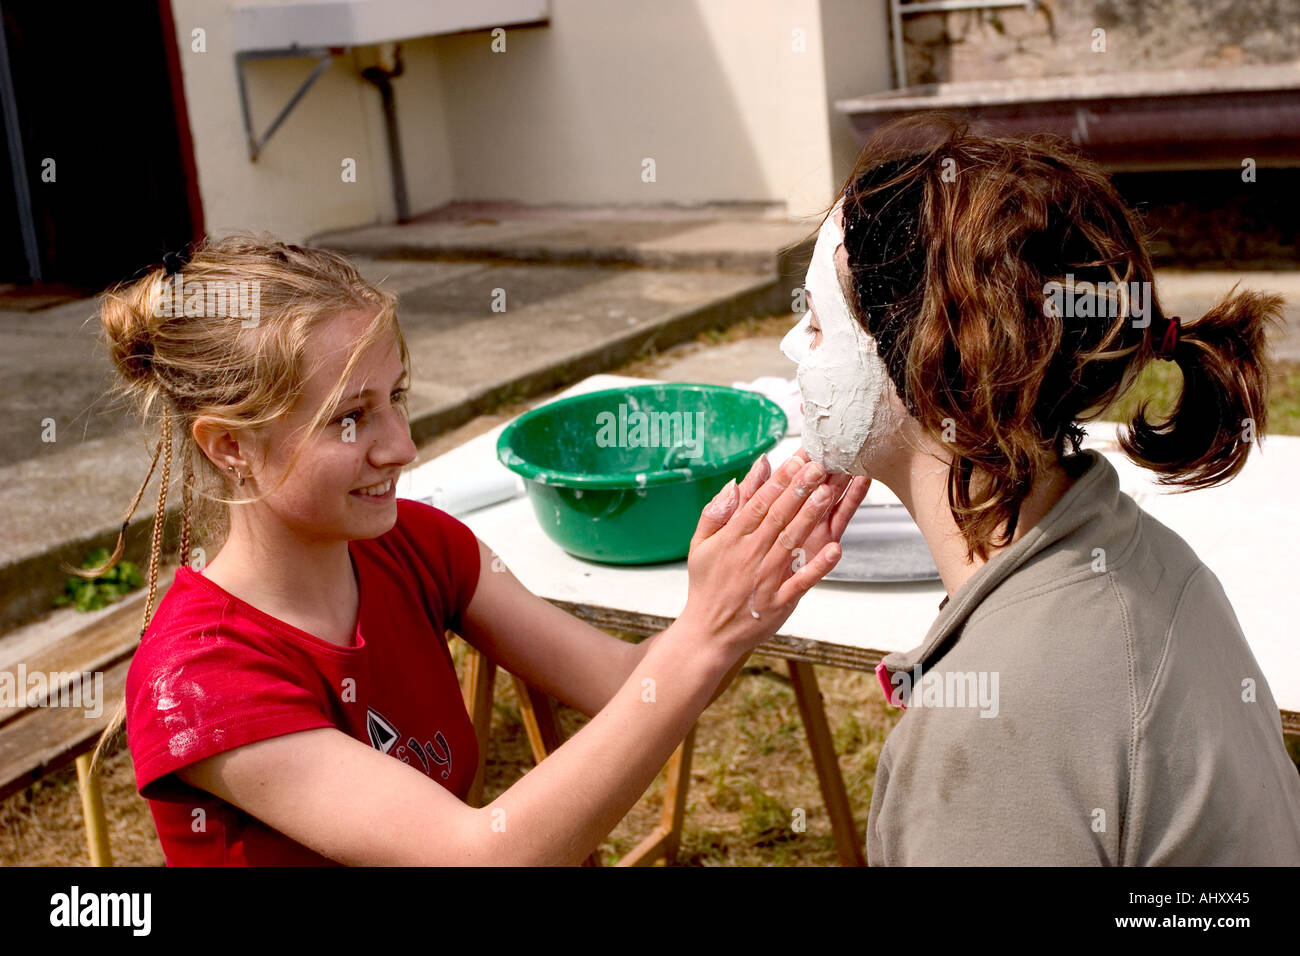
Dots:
{"x": 882, "y": 545}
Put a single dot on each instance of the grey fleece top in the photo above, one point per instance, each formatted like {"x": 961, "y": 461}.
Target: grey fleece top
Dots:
{"x": 1086, "y": 697}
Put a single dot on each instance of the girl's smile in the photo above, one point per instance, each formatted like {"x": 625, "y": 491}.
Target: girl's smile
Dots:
{"x": 384, "y": 491}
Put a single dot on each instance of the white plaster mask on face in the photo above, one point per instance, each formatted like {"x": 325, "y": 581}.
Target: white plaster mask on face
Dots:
{"x": 843, "y": 380}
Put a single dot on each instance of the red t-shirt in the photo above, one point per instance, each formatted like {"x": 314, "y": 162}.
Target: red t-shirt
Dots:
{"x": 213, "y": 673}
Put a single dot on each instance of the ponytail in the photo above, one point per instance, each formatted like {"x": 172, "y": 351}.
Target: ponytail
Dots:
{"x": 1223, "y": 407}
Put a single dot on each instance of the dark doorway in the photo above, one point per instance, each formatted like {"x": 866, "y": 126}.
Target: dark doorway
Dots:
{"x": 96, "y": 88}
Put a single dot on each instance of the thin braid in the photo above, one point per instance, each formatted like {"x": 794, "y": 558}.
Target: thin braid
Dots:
{"x": 159, "y": 518}
{"x": 118, "y": 719}
{"x": 187, "y": 503}
{"x": 126, "y": 521}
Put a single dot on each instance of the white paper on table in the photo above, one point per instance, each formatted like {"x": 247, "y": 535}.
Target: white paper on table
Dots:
{"x": 785, "y": 392}
{"x": 459, "y": 490}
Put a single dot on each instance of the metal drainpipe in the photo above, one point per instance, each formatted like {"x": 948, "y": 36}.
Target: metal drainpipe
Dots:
{"x": 383, "y": 78}
{"x": 18, "y": 163}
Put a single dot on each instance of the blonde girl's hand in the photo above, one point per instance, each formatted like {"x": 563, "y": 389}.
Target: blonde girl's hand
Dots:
{"x": 848, "y": 492}
{"x": 831, "y": 527}
{"x": 748, "y": 563}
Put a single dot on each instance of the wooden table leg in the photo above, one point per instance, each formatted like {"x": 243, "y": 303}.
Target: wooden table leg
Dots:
{"x": 809, "y": 696}
{"x": 476, "y": 686}
{"x": 538, "y": 711}
{"x": 92, "y": 810}
{"x": 675, "y": 794}
{"x": 661, "y": 846}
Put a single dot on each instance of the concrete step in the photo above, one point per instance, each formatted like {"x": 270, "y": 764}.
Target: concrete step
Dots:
{"x": 742, "y": 237}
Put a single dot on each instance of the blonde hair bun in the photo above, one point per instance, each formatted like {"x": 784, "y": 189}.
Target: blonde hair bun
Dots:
{"x": 129, "y": 339}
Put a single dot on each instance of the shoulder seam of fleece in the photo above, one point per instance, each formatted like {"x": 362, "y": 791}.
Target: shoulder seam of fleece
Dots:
{"x": 1139, "y": 712}
{"x": 1169, "y": 634}
{"x": 1133, "y": 718}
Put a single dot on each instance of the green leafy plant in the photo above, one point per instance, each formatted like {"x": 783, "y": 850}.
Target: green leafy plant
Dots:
{"x": 91, "y": 594}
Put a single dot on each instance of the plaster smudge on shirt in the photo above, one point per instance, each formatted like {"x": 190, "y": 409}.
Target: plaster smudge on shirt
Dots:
{"x": 163, "y": 693}
{"x": 183, "y": 742}
{"x": 170, "y": 692}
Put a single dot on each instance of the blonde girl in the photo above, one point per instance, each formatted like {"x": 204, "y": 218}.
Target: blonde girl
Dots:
{"x": 295, "y": 693}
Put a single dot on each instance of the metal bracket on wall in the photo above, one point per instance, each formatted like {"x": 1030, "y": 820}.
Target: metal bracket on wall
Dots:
{"x": 323, "y": 56}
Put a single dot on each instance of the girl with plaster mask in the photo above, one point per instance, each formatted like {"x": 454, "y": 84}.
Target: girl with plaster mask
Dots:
{"x": 1119, "y": 735}
{"x": 845, "y": 385}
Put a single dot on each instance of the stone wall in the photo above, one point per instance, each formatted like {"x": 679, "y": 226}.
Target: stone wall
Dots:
{"x": 1060, "y": 38}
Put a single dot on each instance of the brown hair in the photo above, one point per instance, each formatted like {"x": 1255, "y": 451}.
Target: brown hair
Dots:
{"x": 183, "y": 356}
{"x": 954, "y": 239}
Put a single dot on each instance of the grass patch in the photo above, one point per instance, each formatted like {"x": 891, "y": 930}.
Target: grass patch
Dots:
{"x": 1284, "y": 399}
{"x": 1161, "y": 383}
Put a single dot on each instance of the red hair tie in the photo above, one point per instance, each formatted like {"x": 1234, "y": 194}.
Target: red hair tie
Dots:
{"x": 1165, "y": 350}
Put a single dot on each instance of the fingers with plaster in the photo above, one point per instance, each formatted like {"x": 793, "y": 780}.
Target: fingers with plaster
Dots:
{"x": 759, "y": 473}
{"x": 727, "y": 500}
{"x": 849, "y": 493}
{"x": 765, "y": 504}
{"x": 854, "y": 495}
{"x": 723, "y": 503}
{"x": 800, "y": 533}
{"x": 776, "y": 530}
{"x": 795, "y": 487}
{"x": 745, "y": 577}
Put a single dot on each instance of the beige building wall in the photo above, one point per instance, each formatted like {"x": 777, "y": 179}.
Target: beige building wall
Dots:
{"x": 857, "y": 57}
{"x": 732, "y": 99}
{"x": 295, "y": 187}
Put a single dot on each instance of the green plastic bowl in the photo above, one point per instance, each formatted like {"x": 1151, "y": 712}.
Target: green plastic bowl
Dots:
{"x": 621, "y": 475}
